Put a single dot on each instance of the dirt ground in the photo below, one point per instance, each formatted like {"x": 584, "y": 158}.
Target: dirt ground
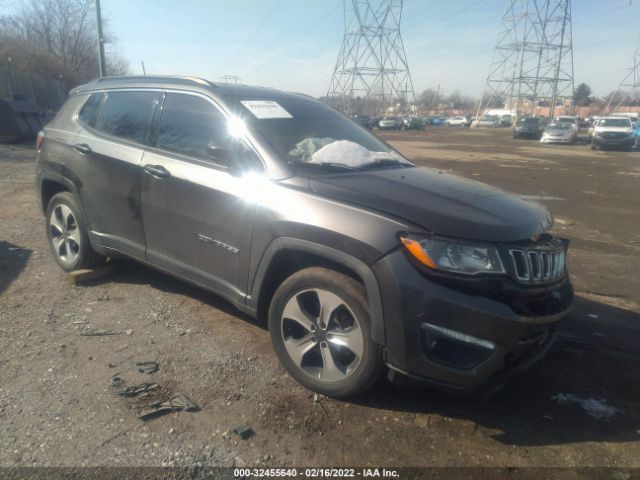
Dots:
{"x": 58, "y": 406}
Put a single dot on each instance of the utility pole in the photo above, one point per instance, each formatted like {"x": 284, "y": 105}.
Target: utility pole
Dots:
{"x": 144, "y": 70}
{"x": 533, "y": 58}
{"x": 372, "y": 62}
{"x": 103, "y": 63}
{"x": 10, "y": 80}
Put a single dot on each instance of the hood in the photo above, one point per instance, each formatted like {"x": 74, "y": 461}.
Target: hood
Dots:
{"x": 444, "y": 204}
{"x": 614, "y": 129}
{"x": 558, "y": 131}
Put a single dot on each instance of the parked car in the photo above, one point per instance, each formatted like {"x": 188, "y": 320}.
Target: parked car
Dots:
{"x": 357, "y": 259}
{"x": 391, "y": 123}
{"x": 506, "y": 120}
{"x": 529, "y": 127}
{"x": 364, "y": 120}
{"x": 583, "y": 122}
{"x": 437, "y": 121}
{"x": 571, "y": 120}
{"x": 613, "y": 132}
{"x": 491, "y": 121}
{"x": 457, "y": 121}
{"x": 559, "y": 132}
{"x": 413, "y": 123}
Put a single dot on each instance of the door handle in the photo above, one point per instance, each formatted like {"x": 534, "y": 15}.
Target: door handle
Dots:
{"x": 82, "y": 148}
{"x": 157, "y": 171}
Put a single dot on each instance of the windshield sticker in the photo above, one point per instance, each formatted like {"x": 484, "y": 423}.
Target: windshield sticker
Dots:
{"x": 264, "y": 109}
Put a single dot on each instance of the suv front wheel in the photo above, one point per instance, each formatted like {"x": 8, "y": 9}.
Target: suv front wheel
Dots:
{"x": 67, "y": 234}
{"x": 321, "y": 332}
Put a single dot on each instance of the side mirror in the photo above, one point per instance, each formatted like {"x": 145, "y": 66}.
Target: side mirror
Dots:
{"x": 219, "y": 155}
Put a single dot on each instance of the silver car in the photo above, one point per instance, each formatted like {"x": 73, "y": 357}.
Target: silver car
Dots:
{"x": 560, "y": 132}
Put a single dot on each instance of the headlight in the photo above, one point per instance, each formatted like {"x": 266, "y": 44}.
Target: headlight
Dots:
{"x": 454, "y": 256}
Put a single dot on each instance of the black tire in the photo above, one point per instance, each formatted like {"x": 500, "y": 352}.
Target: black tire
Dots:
{"x": 370, "y": 365}
{"x": 593, "y": 146}
{"x": 85, "y": 256}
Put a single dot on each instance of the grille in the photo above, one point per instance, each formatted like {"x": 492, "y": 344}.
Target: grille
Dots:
{"x": 538, "y": 266}
{"x": 614, "y": 135}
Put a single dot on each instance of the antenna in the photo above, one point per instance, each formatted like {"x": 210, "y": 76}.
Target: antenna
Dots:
{"x": 371, "y": 71}
{"x": 532, "y": 65}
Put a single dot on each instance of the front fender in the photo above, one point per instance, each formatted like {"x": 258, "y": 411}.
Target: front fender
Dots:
{"x": 358, "y": 266}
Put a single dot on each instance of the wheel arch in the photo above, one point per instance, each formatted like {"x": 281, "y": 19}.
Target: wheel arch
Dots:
{"x": 50, "y": 184}
{"x": 285, "y": 256}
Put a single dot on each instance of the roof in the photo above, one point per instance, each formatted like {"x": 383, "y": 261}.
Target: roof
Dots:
{"x": 228, "y": 90}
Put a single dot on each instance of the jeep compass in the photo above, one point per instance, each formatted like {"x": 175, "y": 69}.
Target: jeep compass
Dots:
{"x": 360, "y": 261}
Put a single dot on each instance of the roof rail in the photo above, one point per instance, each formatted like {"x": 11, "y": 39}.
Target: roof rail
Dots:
{"x": 155, "y": 79}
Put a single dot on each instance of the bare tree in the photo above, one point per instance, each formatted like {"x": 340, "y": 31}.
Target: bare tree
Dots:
{"x": 54, "y": 39}
{"x": 429, "y": 99}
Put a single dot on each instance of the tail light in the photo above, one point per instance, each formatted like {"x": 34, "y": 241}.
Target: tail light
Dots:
{"x": 39, "y": 140}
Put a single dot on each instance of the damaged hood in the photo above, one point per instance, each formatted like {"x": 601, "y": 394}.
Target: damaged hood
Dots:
{"x": 444, "y": 204}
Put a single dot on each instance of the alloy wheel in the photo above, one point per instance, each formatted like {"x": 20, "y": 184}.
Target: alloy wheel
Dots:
{"x": 321, "y": 335}
{"x": 65, "y": 234}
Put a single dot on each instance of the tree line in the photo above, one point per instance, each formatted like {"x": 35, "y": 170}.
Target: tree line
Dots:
{"x": 55, "y": 39}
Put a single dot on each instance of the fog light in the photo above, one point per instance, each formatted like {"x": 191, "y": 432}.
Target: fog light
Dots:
{"x": 461, "y": 337}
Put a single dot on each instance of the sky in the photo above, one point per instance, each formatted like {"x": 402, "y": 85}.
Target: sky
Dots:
{"x": 293, "y": 44}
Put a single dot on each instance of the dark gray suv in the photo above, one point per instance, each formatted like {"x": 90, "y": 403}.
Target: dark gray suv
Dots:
{"x": 357, "y": 259}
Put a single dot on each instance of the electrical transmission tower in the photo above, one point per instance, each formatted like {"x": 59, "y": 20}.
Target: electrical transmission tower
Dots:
{"x": 630, "y": 85}
{"x": 371, "y": 73}
{"x": 532, "y": 64}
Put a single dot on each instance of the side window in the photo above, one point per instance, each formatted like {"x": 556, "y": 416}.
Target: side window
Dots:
{"x": 127, "y": 114}
{"x": 189, "y": 125}
{"x": 89, "y": 112}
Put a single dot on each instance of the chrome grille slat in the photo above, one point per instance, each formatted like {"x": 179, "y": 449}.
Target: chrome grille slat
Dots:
{"x": 537, "y": 265}
{"x": 546, "y": 266}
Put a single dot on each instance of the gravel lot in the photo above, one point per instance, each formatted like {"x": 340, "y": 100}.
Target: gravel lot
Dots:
{"x": 58, "y": 406}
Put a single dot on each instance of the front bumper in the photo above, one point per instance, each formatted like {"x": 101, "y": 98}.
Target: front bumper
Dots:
{"x": 526, "y": 133}
{"x": 464, "y": 340}
{"x": 613, "y": 142}
{"x": 546, "y": 139}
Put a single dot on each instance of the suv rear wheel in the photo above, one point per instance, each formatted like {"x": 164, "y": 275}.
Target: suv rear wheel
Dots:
{"x": 67, "y": 234}
{"x": 321, "y": 332}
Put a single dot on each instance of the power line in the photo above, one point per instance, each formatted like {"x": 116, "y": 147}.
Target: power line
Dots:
{"x": 250, "y": 40}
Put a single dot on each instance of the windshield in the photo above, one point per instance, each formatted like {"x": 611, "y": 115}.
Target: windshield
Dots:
{"x": 528, "y": 120}
{"x": 559, "y": 126}
{"x": 566, "y": 119}
{"x": 308, "y": 132}
{"x": 615, "y": 122}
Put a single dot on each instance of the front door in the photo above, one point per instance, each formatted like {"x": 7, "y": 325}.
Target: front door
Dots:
{"x": 197, "y": 221}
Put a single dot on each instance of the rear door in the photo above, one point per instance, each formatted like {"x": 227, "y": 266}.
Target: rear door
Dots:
{"x": 109, "y": 145}
{"x": 197, "y": 219}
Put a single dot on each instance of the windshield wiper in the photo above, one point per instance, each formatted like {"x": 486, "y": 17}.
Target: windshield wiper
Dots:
{"x": 386, "y": 162}
{"x": 324, "y": 165}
